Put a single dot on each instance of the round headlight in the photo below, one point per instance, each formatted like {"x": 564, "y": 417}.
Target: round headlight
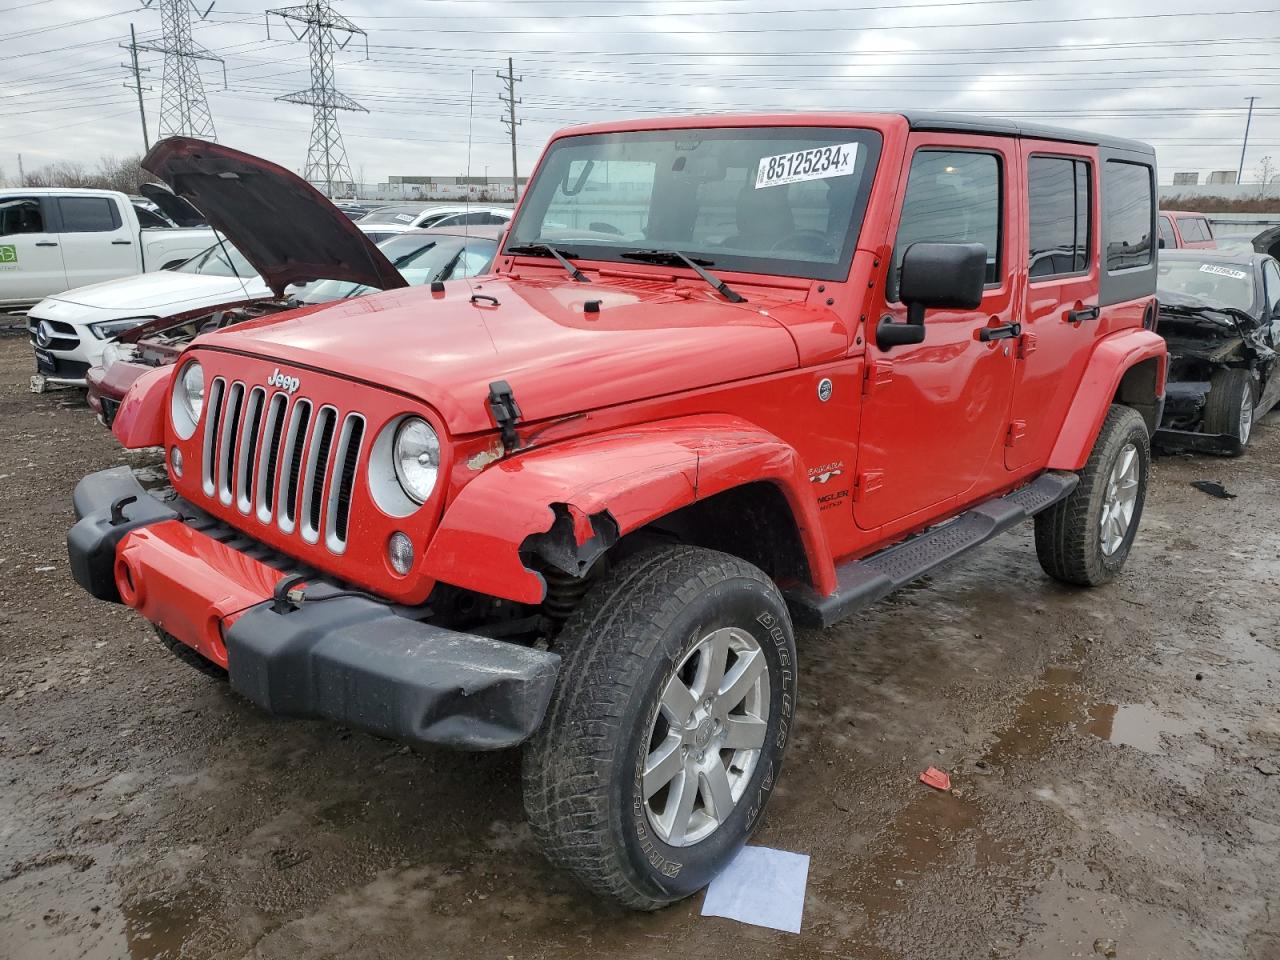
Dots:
{"x": 188, "y": 399}
{"x": 193, "y": 390}
{"x": 416, "y": 453}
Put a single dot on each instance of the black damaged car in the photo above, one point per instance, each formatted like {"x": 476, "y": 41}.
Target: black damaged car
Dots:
{"x": 1220, "y": 315}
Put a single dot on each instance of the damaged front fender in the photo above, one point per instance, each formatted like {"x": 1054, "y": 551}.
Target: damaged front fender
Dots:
{"x": 564, "y": 505}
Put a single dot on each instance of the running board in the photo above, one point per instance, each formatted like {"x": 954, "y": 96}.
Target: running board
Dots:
{"x": 861, "y": 582}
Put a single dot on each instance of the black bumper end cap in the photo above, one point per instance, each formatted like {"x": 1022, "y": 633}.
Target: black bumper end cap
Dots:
{"x": 356, "y": 662}
{"x": 92, "y": 542}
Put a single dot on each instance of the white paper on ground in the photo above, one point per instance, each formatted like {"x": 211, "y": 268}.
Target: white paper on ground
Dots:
{"x": 762, "y": 887}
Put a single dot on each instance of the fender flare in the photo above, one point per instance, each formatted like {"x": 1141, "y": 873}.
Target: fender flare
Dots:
{"x": 606, "y": 486}
{"x": 1112, "y": 358}
{"x": 140, "y": 420}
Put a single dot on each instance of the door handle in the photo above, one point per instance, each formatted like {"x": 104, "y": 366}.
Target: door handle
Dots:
{"x": 1004, "y": 332}
{"x": 45, "y": 243}
{"x": 121, "y": 243}
{"x": 1083, "y": 314}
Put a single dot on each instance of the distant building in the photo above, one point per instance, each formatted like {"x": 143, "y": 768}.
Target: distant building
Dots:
{"x": 1188, "y": 178}
{"x": 1222, "y": 176}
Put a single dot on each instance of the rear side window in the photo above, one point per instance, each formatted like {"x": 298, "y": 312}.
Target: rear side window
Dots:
{"x": 952, "y": 197}
{"x": 1189, "y": 227}
{"x": 1058, "y": 201}
{"x": 1130, "y": 201}
{"x": 88, "y": 214}
{"x": 1166, "y": 232}
{"x": 20, "y": 215}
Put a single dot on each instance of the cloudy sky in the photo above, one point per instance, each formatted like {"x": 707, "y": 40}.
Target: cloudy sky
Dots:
{"x": 1175, "y": 73}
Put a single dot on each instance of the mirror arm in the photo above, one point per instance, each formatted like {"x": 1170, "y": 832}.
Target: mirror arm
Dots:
{"x": 915, "y": 314}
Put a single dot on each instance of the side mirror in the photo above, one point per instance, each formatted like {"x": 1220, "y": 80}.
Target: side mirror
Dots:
{"x": 938, "y": 276}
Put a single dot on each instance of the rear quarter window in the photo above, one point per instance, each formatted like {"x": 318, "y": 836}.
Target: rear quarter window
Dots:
{"x": 1129, "y": 201}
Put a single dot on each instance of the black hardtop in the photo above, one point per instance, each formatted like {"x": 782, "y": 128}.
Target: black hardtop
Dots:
{"x": 965, "y": 123}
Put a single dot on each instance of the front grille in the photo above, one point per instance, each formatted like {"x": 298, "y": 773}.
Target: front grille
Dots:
{"x": 282, "y": 460}
{"x": 64, "y": 338}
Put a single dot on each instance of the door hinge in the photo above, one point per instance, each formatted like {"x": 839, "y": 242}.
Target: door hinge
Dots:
{"x": 1017, "y": 430}
{"x": 867, "y": 482}
{"x": 879, "y": 373}
{"x": 1026, "y": 345}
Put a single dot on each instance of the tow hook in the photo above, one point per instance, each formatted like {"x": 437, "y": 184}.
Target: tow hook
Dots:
{"x": 117, "y": 509}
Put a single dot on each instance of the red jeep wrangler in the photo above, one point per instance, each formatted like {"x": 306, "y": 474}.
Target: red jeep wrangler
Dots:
{"x": 731, "y": 374}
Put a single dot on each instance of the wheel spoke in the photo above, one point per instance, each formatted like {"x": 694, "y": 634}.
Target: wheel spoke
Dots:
{"x": 745, "y": 672}
{"x": 678, "y": 702}
{"x": 716, "y": 793}
{"x": 680, "y": 801}
{"x": 714, "y": 656}
{"x": 662, "y": 765}
{"x": 744, "y": 733}
{"x": 1127, "y": 456}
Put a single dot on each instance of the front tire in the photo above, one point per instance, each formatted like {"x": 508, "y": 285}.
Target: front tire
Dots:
{"x": 1085, "y": 538}
{"x": 667, "y": 728}
{"x": 1229, "y": 408}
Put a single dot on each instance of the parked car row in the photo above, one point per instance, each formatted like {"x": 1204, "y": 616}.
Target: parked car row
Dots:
{"x": 721, "y": 376}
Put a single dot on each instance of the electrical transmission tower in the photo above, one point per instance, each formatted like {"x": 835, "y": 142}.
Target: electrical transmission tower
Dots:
{"x": 327, "y": 165}
{"x": 184, "y": 110}
{"x": 509, "y": 98}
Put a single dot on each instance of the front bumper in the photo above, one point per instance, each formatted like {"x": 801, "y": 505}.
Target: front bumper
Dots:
{"x": 333, "y": 655}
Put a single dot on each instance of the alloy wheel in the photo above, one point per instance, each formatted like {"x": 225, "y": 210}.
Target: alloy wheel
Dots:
{"x": 1120, "y": 499}
{"x": 706, "y": 737}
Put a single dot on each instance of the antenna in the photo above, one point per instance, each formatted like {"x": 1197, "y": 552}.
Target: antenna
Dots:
{"x": 327, "y": 165}
{"x": 184, "y": 110}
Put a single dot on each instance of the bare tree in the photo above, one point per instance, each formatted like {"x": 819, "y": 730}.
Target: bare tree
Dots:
{"x": 1266, "y": 173}
{"x": 112, "y": 173}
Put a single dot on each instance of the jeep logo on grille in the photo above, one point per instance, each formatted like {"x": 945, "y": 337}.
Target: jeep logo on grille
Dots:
{"x": 286, "y": 383}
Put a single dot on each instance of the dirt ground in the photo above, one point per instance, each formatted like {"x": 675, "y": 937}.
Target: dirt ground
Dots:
{"x": 1115, "y": 756}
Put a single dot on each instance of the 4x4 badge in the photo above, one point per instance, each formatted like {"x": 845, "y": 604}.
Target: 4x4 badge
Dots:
{"x": 286, "y": 383}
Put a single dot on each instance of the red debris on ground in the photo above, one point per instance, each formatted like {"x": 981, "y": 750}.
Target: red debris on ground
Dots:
{"x": 935, "y": 778}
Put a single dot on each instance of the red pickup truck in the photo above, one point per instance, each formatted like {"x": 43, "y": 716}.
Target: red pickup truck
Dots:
{"x": 731, "y": 375}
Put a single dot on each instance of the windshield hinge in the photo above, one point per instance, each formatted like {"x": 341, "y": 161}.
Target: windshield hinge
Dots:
{"x": 506, "y": 413}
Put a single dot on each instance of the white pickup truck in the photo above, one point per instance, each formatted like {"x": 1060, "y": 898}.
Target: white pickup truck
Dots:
{"x": 54, "y": 239}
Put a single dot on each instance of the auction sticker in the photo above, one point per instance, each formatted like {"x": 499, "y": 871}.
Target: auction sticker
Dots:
{"x": 1222, "y": 271}
{"x": 819, "y": 163}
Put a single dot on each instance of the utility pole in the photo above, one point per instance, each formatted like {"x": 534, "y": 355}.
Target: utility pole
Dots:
{"x": 137, "y": 85}
{"x": 184, "y": 109}
{"x": 327, "y": 165}
{"x": 1245, "y": 146}
{"x": 509, "y": 98}
{"x": 22, "y": 176}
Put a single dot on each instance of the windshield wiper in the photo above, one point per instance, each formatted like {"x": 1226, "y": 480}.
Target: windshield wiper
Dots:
{"x": 676, "y": 258}
{"x": 544, "y": 249}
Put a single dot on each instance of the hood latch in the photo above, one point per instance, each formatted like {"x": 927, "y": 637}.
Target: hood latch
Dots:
{"x": 506, "y": 413}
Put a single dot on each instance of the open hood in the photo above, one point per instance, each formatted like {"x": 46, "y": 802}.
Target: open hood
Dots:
{"x": 285, "y": 227}
{"x": 174, "y": 207}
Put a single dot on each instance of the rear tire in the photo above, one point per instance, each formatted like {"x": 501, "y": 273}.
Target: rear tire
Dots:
{"x": 1085, "y": 538}
{"x": 1229, "y": 408}
{"x": 648, "y": 775}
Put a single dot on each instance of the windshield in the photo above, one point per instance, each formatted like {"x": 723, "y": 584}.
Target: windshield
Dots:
{"x": 214, "y": 262}
{"x": 1229, "y": 284}
{"x": 420, "y": 259}
{"x": 779, "y": 200}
